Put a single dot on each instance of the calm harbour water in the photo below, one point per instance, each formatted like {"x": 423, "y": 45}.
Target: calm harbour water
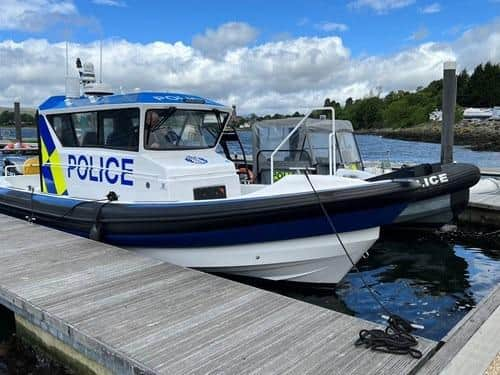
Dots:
{"x": 418, "y": 276}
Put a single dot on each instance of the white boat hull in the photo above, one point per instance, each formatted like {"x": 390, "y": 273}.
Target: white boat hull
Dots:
{"x": 319, "y": 259}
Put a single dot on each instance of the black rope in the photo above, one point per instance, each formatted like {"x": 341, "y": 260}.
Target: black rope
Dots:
{"x": 79, "y": 204}
{"x": 31, "y": 218}
{"x": 95, "y": 232}
{"x": 396, "y": 338}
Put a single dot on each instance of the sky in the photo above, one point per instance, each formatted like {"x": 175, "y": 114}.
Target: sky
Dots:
{"x": 264, "y": 57}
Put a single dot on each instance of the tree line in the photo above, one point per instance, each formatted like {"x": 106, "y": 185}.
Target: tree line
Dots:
{"x": 404, "y": 109}
{"x": 7, "y": 118}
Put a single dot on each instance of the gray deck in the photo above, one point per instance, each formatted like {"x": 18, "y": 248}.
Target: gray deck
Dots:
{"x": 134, "y": 314}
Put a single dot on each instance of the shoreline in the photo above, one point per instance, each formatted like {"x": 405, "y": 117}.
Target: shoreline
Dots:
{"x": 478, "y": 136}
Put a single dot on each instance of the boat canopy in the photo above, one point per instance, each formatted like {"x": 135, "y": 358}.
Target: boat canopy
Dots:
{"x": 307, "y": 148}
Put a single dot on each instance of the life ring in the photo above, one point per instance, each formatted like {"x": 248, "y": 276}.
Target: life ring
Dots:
{"x": 248, "y": 172}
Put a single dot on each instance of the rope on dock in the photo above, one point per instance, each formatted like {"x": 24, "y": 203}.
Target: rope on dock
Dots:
{"x": 395, "y": 339}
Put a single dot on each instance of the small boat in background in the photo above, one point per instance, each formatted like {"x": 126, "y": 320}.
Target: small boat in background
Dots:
{"x": 19, "y": 148}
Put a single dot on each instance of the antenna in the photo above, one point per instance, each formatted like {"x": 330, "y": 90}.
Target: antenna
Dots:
{"x": 100, "y": 61}
{"x": 67, "y": 69}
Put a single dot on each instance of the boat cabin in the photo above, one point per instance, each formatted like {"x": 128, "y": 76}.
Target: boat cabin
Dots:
{"x": 145, "y": 146}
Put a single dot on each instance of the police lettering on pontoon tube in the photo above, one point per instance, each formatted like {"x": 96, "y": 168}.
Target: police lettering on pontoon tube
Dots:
{"x": 435, "y": 180}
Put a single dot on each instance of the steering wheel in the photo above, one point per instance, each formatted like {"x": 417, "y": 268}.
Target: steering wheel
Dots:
{"x": 172, "y": 137}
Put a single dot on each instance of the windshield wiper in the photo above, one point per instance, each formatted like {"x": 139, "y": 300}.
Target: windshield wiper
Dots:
{"x": 169, "y": 112}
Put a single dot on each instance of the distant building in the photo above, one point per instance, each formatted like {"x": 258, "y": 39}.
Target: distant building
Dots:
{"x": 245, "y": 125}
{"x": 436, "y": 115}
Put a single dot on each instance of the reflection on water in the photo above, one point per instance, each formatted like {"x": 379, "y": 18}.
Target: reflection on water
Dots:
{"x": 420, "y": 277}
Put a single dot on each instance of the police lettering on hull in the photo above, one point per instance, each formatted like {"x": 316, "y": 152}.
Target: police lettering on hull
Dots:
{"x": 100, "y": 169}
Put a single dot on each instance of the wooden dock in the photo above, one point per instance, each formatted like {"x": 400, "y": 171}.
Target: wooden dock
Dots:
{"x": 106, "y": 310}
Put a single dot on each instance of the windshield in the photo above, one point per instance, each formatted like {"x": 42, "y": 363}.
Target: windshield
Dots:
{"x": 177, "y": 129}
{"x": 348, "y": 148}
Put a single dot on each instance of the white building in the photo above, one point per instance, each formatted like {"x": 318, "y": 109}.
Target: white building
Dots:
{"x": 436, "y": 115}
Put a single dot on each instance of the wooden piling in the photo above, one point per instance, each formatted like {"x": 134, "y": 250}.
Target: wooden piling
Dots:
{"x": 17, "y": 121}
{"x": 449, "y": 103}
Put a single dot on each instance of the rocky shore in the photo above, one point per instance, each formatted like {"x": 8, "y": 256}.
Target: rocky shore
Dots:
{"x": 478, "y": 136}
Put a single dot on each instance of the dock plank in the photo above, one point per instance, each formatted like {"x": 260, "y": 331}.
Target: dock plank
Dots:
{"x": 134, "y": 314}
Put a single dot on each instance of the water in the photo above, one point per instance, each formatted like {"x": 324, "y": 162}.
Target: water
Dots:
{"x": 377, "y": 148}
{"x": 9, "y": 132}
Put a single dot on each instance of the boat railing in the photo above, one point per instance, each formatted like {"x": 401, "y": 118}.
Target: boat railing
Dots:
{"x": 114, "y": 170}
{"x": 331, "y": 140}
{"x": 86, "y": 167}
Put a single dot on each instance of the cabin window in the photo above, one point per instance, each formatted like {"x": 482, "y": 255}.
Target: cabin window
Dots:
{"x": 85, "y": 125}
{"x": 173, "y": 128}
{"x": 116, "y": 129}
{"x": 120, "y": 129}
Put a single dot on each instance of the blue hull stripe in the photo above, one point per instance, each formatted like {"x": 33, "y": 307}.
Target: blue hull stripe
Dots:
{"x": 256, "y": 233}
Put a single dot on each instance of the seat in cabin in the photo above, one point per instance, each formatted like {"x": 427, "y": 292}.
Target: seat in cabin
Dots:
{"x": 90, "y": 139}
{"x": 123, "y": 135}
{"x": 67, "y": 135}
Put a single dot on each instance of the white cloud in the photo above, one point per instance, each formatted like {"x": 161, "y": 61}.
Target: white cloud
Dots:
{"x": 38, "y": 15}
{"x": 111, "y": 3}
{"x": 331, "y": 26}
{"x": 226, "y": 37}
{"x": 280, "y": 76}
{"x": 431, "y": 8}
{"x": 33, "y": 15}
{"x": 420, "y": 34}
{"x": 380, "y": 6}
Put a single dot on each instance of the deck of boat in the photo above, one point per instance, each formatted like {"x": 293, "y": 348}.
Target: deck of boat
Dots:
{"x": 137, "y": 315}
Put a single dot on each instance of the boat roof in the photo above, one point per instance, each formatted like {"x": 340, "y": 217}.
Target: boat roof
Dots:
{"x": 62, "y": 102}
{"x": 312, "y": 124}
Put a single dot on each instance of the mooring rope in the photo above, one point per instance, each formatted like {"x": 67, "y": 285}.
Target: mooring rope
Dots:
{"x": 396, "y": 338}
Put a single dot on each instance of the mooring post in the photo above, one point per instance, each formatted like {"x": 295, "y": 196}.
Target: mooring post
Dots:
{"x": 17, "y": 121}
{"x": 449, "y": 102}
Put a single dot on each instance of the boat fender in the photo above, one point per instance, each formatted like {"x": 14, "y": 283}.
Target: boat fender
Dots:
{"x": 96, "y": 230}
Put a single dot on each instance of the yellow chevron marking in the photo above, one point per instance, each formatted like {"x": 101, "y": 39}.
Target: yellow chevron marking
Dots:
{"x": 57, "y": 172}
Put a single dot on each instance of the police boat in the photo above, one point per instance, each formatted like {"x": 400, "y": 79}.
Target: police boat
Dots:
{"x": 140, "y": 170}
